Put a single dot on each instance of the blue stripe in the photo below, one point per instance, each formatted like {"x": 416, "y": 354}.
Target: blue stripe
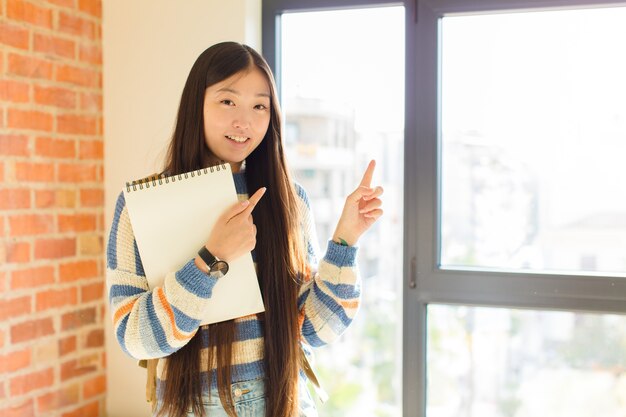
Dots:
{"x": 157, "y": 330}
{"x": 240, "y": 183}
{"x": 332, "y": 305}
{"x": 248, "y": 330}
{"x": 112, "y": 247}
{"x": 195, "y": 281}
{"x": 343, "y": 291}
{"x": 340, "y": 256}
{"x": 302, "y": 298}
{"x": 303, "y": 195}
{"x": 123, "y": 291}
{"x": 184, "y": 322}
{"x": 120, "y": 333}
{"x": 309, "y": 333}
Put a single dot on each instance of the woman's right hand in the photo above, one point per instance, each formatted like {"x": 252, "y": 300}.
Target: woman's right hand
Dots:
{"x": 234, "y": 232}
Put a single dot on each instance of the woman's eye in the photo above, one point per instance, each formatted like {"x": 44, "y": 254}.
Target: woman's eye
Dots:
{"x": 228, "y": 102}
{"x": 260, "y": 107}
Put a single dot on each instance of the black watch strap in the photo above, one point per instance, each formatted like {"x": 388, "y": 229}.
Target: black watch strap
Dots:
{"x": 208, "y": 258}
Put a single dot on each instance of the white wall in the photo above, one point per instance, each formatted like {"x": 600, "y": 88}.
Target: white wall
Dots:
{"x": 149, "y": 47}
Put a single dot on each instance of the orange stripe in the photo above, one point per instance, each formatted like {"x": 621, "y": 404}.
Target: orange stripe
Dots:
{"x": 349, "y": 304}
{"x": 123, "y": 310}
{"x": 178, "y": 335}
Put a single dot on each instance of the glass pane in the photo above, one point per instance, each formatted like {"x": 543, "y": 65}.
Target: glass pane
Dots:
{"x": 533, "y": 141}
{"x": 491, "y": 362}
{"x": 343, "y": 99}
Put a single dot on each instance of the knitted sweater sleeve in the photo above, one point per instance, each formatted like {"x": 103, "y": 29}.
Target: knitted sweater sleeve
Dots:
{"x": 331, "y": 293}
{"x": 150, "y": 323}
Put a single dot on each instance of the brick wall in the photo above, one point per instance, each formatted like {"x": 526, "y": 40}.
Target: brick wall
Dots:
{"x": 52, "y": 357}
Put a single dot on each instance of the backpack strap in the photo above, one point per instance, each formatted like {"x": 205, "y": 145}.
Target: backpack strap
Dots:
{"x": 150, "y": 365}
{"x": 310, "y": 374}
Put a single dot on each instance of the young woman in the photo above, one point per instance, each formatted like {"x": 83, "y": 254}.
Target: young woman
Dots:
{"x": 250, "y": 366}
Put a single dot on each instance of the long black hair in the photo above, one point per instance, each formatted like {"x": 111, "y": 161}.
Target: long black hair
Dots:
{"x": 279, "y": 249}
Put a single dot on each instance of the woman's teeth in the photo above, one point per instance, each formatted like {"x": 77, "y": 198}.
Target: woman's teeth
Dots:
{"x": 238, "y": 139}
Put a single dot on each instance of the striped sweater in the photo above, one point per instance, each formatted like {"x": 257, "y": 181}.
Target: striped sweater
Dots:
{"x": 155, "y": 323}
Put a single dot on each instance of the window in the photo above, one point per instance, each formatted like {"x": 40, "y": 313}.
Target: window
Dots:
{"x": 514, "y": 240}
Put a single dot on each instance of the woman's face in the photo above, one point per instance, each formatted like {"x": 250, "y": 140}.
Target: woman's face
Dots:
{"x": 237, "y": 115}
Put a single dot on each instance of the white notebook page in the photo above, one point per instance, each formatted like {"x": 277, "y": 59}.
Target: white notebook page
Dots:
{"x": 173, "y": 219}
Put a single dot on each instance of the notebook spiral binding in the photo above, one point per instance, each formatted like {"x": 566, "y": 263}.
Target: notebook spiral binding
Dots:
{"x": 163, "y": 179}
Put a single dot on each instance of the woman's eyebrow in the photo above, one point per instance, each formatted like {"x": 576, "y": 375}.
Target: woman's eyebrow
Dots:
{"x": 230, "y": 90}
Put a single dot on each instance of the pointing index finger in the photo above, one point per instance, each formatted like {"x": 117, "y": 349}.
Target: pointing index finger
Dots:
{"x": 256, "y": 197}
{"x": 369, "y": 173}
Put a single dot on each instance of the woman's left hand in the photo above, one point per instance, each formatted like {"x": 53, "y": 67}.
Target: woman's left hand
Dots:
{"x": 361, "y": 210}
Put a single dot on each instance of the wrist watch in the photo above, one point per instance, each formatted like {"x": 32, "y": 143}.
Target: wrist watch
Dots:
{"x": 217, "y": 268}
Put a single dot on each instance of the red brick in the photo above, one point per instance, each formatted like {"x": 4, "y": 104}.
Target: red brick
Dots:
{"x": 77, "y": 222}
{"x": 11, "y": 199}
{"x": 90, "y": 54}
{"x": 72, "y": 24}
{"x": 18, "y": 252}
{"x": 27, "y": 12}
{"x": 55, "y": 96}
{"x": 30, "y": 67}
{"x": 95, "y": 338}
{"x": 31, "y": 330}
{"x": 91, "y": 149}
{"x": 93, "y": 7}
{"x": 74, "y": 368}
{"x": 14, "y": 145}
{"x": 78, "y": 76}
{"x": 15, "y": 307}
{"x": 13, "y": 35}
{"x": 27, "y": 171}
{"x": 32, "y": 277}
{"x": 14, "y": 91}
{"x": 76, "y": 319}
{"x": 90, "y": 244}
{"x": 92, "y": 198}
{"x": 25, "y": 409}
{"x": 94, "y": 386}
{"x": 3, "y": 394}
{"x": 56, "y": 298}
{"x": 77, "y": 173}
{"x": 29, "y": 119}
{"x": 91, "y": 292}
{"x": 74, "y": 124}
{"x": 14, "y": 361}
{"x": 91, "y": 102}
{"x": 67, "y": 395}
{"x": 55, "y": 148}
{"x": 31, "y": 224}
{"x": 1, "y": 338}
{"x": 64, "y": 3}
{"x": 53, "y": 45}
{"x": 67, "y": 345}
{"x": 89, "y": 410}
{"x": 55, "y": 248}
{"x": 24, "y": 384}
{"x": 78, "y": 270}
{"x": 55, "y": 198}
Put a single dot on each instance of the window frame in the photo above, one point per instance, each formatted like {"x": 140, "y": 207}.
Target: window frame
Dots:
{"x": 424, "y": 280}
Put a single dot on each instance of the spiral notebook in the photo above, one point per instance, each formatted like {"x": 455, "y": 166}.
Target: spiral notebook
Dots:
{"x": 172, "y": 218}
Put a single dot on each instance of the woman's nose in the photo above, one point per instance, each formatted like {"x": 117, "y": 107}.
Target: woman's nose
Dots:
{"x": 241, "y": 120}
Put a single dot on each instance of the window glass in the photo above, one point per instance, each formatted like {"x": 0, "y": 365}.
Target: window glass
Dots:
{"x": 533, "y": 138}
{"x": 343, "y": 100}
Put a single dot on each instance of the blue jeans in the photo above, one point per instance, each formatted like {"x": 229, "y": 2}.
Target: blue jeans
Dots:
{"x": 249, "y": 397}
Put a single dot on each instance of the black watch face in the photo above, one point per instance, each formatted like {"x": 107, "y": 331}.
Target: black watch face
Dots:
{"x": 219, "y": 269}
